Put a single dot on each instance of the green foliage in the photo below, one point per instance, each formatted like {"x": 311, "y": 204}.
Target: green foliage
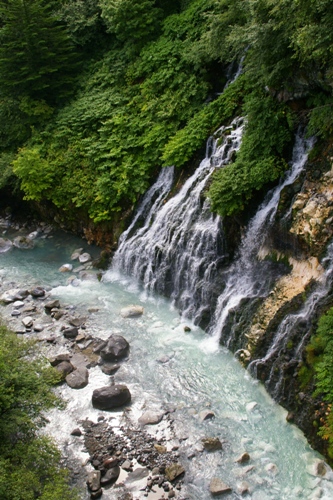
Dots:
{"x": 189, "y": 139}
{"x": 131, "y": 20}
{"x": 149, "y": 93}
{"x": 267, "y": 136}
{"x": 319, "y": 358}
{"x": 36, "y": 57}
{"x": 29, "y": 464}
{"x": 34, "y": 171}
{"x": 6, "y": 171}
{"x": 321, "y": 116}
{"x": 82, "y": 18}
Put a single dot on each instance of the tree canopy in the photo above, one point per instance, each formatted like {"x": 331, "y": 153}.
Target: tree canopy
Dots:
{"x": 149, "y": 90}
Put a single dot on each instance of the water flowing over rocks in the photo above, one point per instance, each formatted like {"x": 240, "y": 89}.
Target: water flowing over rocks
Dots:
{"x": 141, "y": 455}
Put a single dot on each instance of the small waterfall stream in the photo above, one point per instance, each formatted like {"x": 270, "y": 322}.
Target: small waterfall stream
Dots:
{"x": 176, "y": 247}
{"x": 179, "y": 248}
{"x": 274, "y": 379}
{"x": 250, "y": 277}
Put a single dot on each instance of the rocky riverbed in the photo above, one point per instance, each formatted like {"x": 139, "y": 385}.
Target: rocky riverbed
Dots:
{"x": 146, "y": 447}
{"x": 127, "y": 458}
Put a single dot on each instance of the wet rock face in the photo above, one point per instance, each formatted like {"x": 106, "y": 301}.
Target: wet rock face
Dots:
{"x": 109, "y": 397}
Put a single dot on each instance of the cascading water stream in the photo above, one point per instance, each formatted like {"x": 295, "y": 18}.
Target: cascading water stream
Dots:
{"x": 179, "y": 248}
{"x": 286, "y": 333}
{"x": 250, "y": 277}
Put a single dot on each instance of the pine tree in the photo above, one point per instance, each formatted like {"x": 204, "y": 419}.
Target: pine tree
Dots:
{"x": 36, "y": 55}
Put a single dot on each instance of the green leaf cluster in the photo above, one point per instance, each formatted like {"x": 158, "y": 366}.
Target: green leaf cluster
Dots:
{"x": 319, "y": 358}
{"x": 148, "y": 93}
{"x": 29, "y": 463}
{"x": 260, "y": 161}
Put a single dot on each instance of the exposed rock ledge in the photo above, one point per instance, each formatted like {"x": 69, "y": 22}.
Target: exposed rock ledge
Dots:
{"x": 285, "y": 289}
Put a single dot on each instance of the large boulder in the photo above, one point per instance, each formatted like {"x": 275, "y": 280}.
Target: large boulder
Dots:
{"x": 13, "y": 295}
{"x": 23, "y": 242}
{"x": 70, "y": 332}
{"x": 115, "y": 348}
{"x": 78, "y": 379}
{"x": 111, "y": 396}
{"x": 5, "y": 245}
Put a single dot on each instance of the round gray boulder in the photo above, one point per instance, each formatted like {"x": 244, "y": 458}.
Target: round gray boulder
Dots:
{"x": 111, "y": 396}
{"x": 115, "y": 348}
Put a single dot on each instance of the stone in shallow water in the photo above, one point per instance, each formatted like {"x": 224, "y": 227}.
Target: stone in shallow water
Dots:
{"x": 76, "y": 254}
{"x": 64, "y": 368}
{"x": 66, "y": 268}
{"x": 94, "y": 480}
{"x": 109, "y": 397}
{"x": 115, "y": 348}
{"x": 13, "y": 295}
{"x": 131, "y": 311}
{"x": 78, "y": 379}
{"x": 38, "y": 291}
{"x": 211, "y": 443}
{"x": 218, "y": 487}
{"x": 23, "y": 242}
{"x": 84, "y": 257}
{"x": 110, "y": 476}
{"x": 110, "y": 369}
{"x": 206, "y": 415}
{"x": 5, "y": 245}
{"x": 27, "y": 321}
{"x": 52, "y": 304}
{"x": 150, "y": 418}
{"x": 59, "y": 358}
{"x": 173, "y": 471}
{"x": 70, "y": 332}
{"x": 76, "y": 432}
{"x": 243, "y": 458}
{"x": 18, "y": 304}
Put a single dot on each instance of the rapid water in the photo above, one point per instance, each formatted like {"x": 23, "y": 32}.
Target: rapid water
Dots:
{"x": 179, "y": 248}
{"x": 189, "y": 379}
{"x": 284, "y": 336}
{"x": 250, "y": 277}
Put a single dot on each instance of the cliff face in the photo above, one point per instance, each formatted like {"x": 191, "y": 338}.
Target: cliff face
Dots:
{"x": 273, "y": 334}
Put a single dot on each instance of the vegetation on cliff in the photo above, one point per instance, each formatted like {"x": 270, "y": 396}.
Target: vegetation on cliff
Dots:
{"x": 29, "y": 462}
{"x": 318, "y": 370}
{"x": 95, "y": 97}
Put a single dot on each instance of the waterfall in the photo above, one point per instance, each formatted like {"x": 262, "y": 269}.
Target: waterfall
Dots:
{"x": 180, "y": 247}
{"x": 249, "y": 277}
{"x": 287, "y": 343}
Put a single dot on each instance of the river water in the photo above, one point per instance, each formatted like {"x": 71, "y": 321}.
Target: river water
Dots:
{"x": 169, "y": 367}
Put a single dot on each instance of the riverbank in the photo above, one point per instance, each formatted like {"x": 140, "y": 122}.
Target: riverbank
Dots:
{"x": 197, "y": 399}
